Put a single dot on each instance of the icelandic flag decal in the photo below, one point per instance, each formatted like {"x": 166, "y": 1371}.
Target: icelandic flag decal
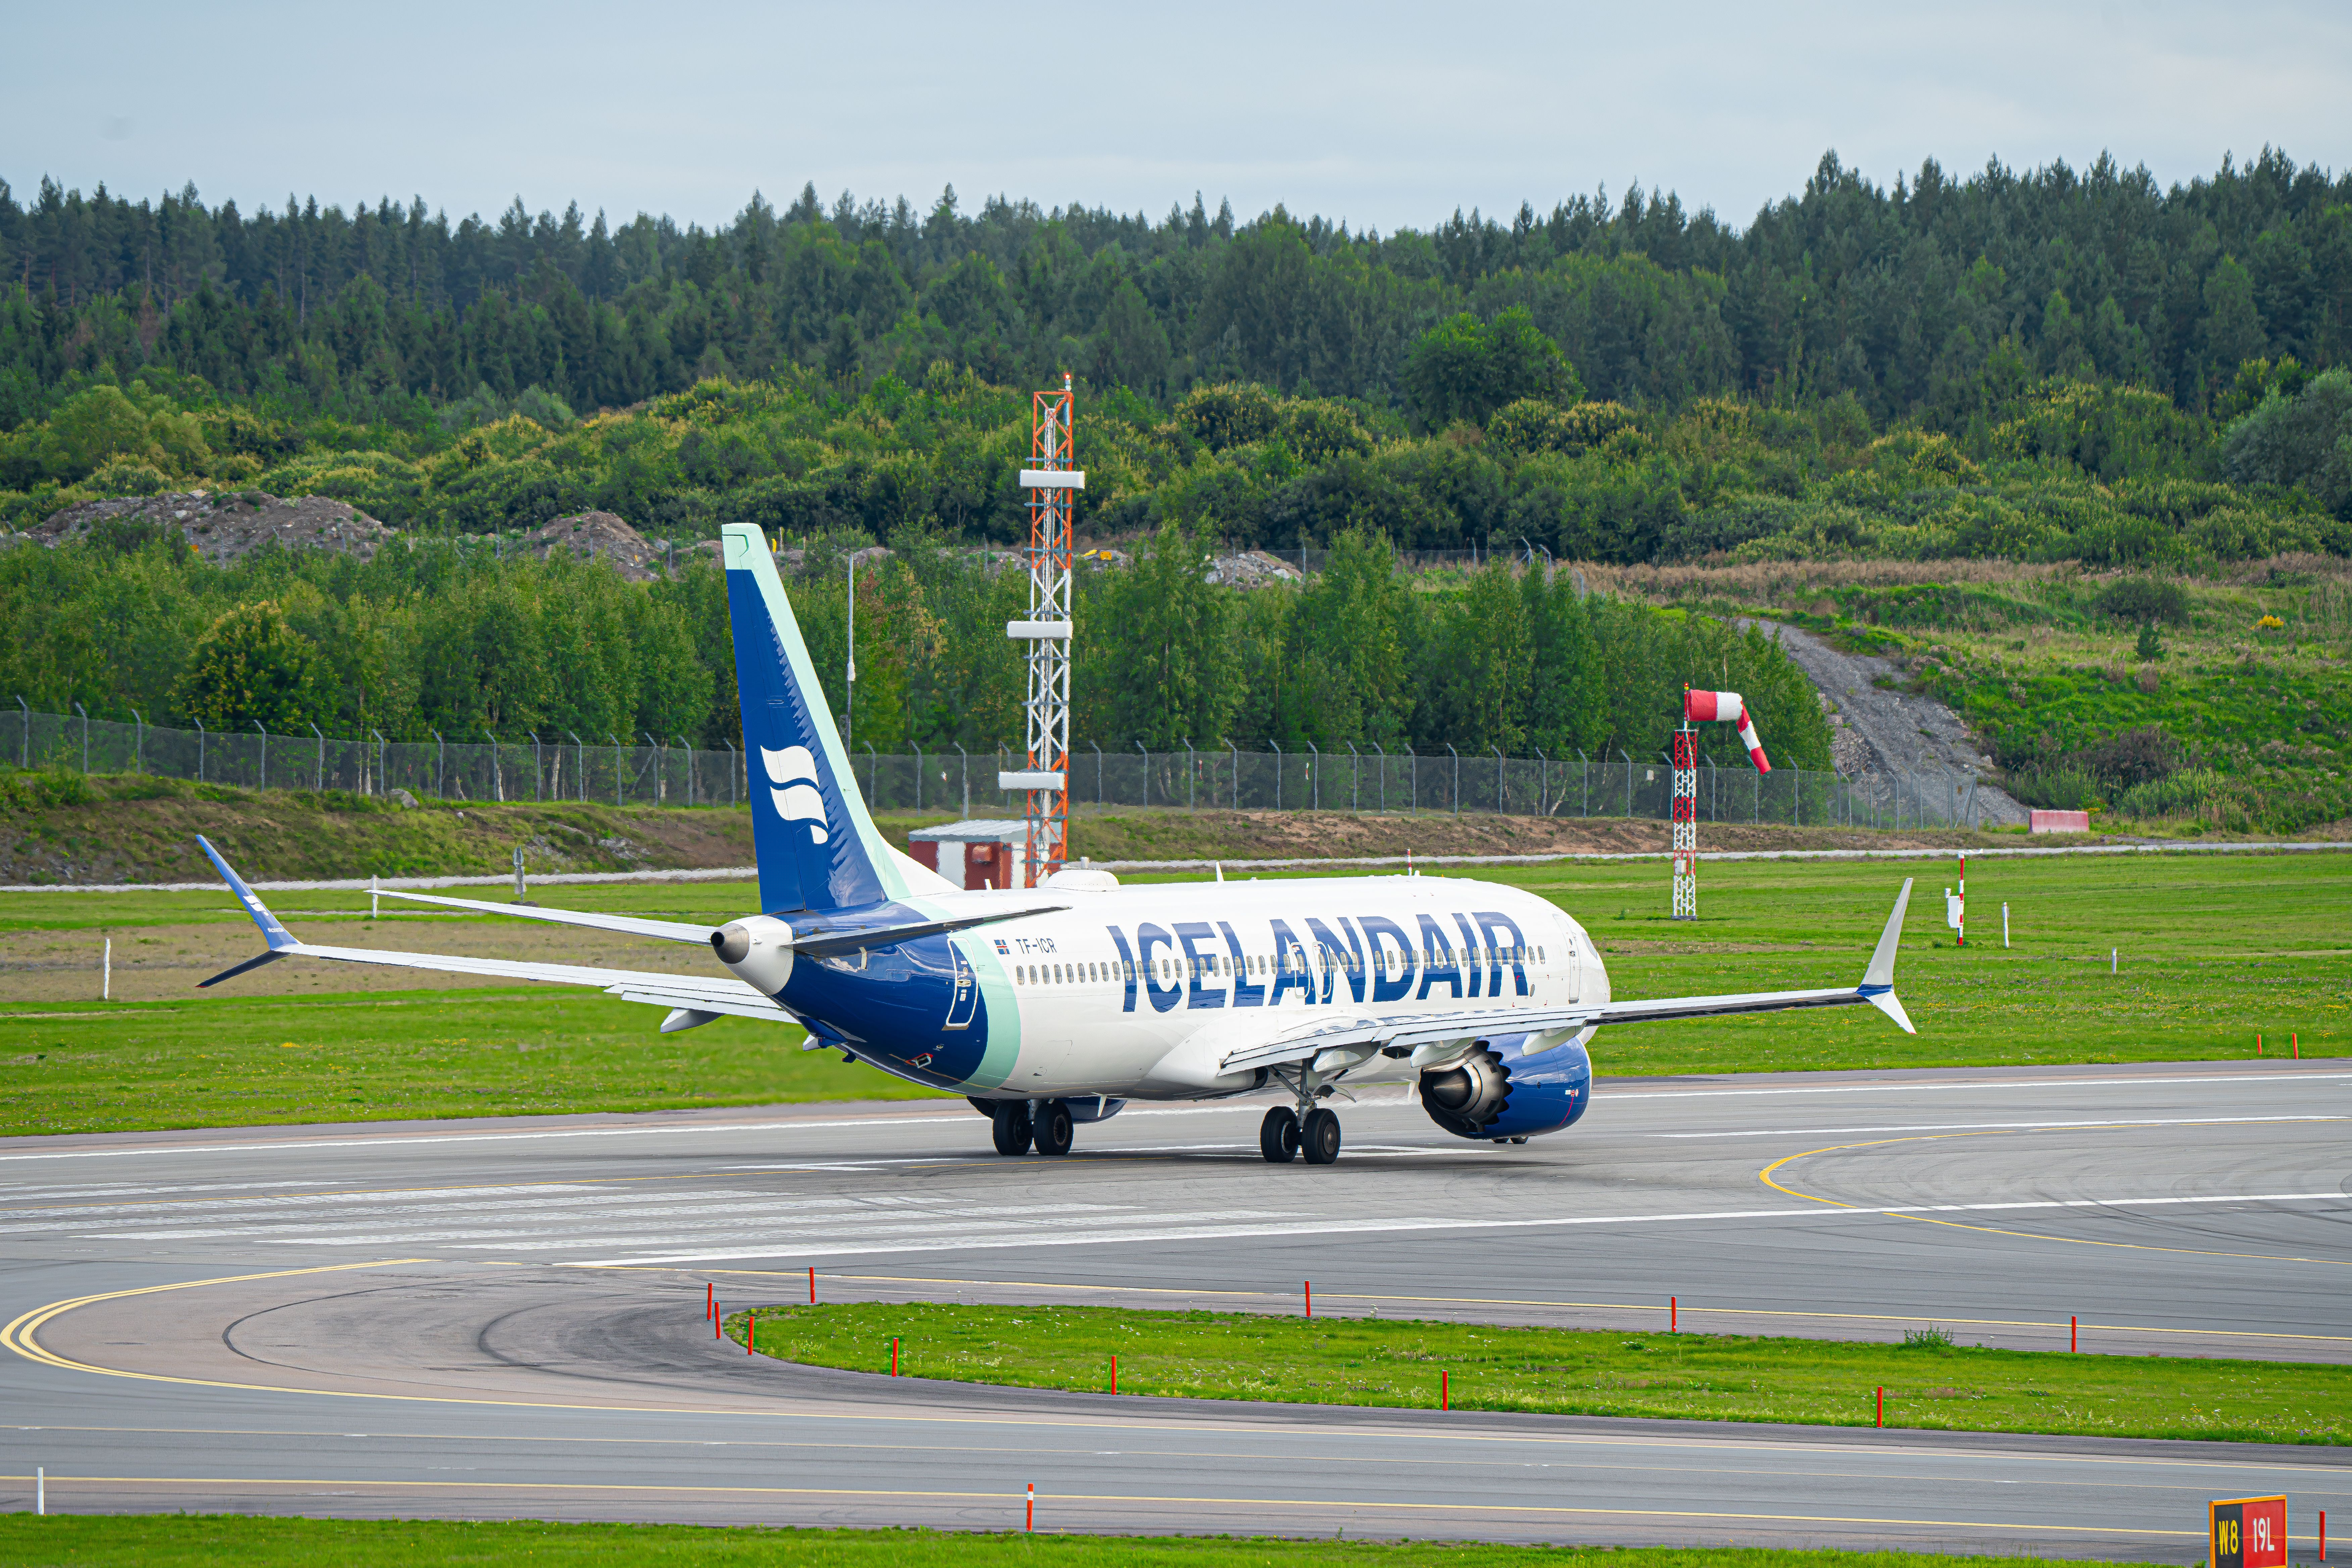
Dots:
{"x": 1001, "y": 948}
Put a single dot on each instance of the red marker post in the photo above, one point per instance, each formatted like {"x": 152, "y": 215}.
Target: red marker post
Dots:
{"x": 1031, "y": 1522}
{"x": 2247, "y": 1532}
{"x": 2074, "y": 1333}
{"x": 1444, "y": 1393}
{"x": 1882, "y": 1405}
{"x": 1310, "y": 1297}
{"x": 894, "y": 1355}
{"x": 1673, "y": 1316}
{"x": 812, "y": 1284}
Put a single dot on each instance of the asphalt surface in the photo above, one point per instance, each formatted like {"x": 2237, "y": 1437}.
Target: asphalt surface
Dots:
{"x": 505, "y": 1318}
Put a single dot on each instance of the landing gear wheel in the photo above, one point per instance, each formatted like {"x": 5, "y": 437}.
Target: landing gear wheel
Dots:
{"x": 1277, "y": 1135}
{"x": 1008, "y": 1119}
{"x": 1318, "y": 1140}
{"x": 1054, "y": 1127}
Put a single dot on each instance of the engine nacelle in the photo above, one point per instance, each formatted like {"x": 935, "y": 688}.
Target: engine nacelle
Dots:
{"x": 1502, "y": 1090}
{"x": 758, "y": 949}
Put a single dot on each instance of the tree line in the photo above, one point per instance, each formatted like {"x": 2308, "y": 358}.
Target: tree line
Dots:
{"x": 1897, "y": 296}
{"x": 457, "y": 638}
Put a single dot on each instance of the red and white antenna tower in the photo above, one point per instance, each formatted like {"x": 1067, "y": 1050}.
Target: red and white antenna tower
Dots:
{"x": 1052, "y": 485}
{"x": 1704, "y": 708}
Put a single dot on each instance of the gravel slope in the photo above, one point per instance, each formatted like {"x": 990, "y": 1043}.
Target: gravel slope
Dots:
{"x": 1893, "y": 741}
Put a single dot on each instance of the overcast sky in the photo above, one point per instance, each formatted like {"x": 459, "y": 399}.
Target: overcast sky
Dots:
{"x": 1383, "y": 115}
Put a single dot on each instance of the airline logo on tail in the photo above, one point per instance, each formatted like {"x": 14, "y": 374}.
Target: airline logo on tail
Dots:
{"x": 792, "y": 774}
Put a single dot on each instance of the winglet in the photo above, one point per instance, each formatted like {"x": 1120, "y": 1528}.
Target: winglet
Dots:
{"x": 272, "y": 933}
{"x": 1878, "y": 980}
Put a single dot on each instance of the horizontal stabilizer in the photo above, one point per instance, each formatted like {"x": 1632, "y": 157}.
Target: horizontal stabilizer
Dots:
{"x": 822, "y": 942}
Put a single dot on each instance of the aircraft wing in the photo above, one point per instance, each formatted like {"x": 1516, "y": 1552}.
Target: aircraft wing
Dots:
{"x": 1353, "y": 1040}
{"x": 693, "y": 999}
{"x": 630, "y": 925}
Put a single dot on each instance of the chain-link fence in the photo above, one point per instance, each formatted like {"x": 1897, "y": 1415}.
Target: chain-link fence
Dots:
{"x": 572, "y": 767}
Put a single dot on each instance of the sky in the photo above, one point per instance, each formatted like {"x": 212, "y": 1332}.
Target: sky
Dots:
{"x": 1382, "y": 115}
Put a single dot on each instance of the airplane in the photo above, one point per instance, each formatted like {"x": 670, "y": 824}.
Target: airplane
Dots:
{"x": 1054, "y": 1005}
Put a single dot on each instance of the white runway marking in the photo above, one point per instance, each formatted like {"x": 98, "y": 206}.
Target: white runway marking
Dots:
{"x": 2000, "y": 1126}
{"x": 1375, "y": 1227}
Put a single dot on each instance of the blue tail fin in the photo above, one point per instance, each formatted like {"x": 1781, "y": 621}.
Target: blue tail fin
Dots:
{"x": 817, "y": 847}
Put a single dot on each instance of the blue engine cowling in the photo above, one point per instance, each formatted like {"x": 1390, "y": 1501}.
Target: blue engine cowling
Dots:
{"x": 1497, "y": 1092}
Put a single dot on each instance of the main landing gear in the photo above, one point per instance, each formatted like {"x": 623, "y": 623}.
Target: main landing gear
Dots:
{"x": 1285, "y": 1134}
{"x": 1017, "y": 1125}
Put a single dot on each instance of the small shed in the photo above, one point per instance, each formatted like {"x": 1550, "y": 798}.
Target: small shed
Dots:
{"x": 985, "y": 852}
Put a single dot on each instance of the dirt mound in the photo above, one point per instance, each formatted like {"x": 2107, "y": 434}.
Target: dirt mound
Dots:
{"x": 225, "y": 526}
{"x": 1253, "y": 569}
{"x": 599, "y": 536}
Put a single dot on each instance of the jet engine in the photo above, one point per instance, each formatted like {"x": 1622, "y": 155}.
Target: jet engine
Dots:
{"x": 759, "y": 948}
{"x": 1502, "y": 1090}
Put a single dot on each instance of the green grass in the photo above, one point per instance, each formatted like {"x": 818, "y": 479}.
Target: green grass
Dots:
{"x": 2213, "y": 948}
{"x": 1714, "y": 1377}
{"x": 169, "y": 1541}
{"x": 365, "y": 1056}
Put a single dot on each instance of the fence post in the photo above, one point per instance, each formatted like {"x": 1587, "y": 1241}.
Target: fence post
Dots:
{"x": 1383, "y": 751}
{"x": 1585, "y": 764}
{"x": 139, "y": 742}
{"x": 498, "y": 773}
{"x": 1413, "y": 779}
{"x": 689, "y": 767}
{"x": 264, "y": 755}
{"x": 1457, "y": 778}
{"x": 318, "y": 780}
{"x": 382, "y": 784}
{"x": 618, "y": 798}
{"x": 730, "y": 770}
{"x": 963, "y": 763}
{"x": 1190, "y": 772}
{"x": 25, "y": 761}
{"x": 1098, "y": 772}
{"x": 1237, "y": 774}
{"x": 1315, "y": 776}
{"x": 1543, "y": 778}
{"x": 85, "y": 741}
{"x": 1629, "y": 783}
{"x": 579, "y": 762}
{"x": 1146, "y": 790}
{"x": 661, "y": 770}
{"x": 1355, "y": 778}
{"x": 1498, "y": 779}
{"x": 440, "y": 765}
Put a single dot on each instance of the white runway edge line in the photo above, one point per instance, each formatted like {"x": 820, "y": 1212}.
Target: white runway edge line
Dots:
{"x": 2005, "y": 1126}
{"x": 2282, "y": 846}
{"x": 1371, "y": 1227}
{"x": 749, "y": 873}
{"x": 380, "y": 1139}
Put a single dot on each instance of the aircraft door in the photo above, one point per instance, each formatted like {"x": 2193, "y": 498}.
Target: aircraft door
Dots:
{"x": 963, "y": 997}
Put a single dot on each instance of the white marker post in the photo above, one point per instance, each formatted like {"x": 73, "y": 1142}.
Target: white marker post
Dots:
{"x": 374, "y": 909}
{"x": 106, "y": 973}
{"x": 2004, "y": 926}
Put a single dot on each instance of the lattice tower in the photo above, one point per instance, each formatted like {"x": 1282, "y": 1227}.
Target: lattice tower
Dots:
{"x": 1052, "y": 491}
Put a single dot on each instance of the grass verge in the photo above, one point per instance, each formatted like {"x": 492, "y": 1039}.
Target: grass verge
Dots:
{"x": 198, "y": 1541}
{"x": 1932, "y": 1383}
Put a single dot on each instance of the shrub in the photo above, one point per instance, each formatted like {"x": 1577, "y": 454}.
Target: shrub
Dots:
{"x": 2144, "y": 600}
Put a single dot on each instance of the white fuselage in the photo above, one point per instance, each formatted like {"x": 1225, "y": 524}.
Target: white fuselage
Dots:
{"x": 1140, "y": 990}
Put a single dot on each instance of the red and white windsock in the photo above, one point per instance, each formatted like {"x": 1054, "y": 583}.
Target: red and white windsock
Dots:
{"x": 1706, "y": 707}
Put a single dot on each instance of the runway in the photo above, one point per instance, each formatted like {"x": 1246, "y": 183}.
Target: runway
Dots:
{"x": 504, "y": 1318}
